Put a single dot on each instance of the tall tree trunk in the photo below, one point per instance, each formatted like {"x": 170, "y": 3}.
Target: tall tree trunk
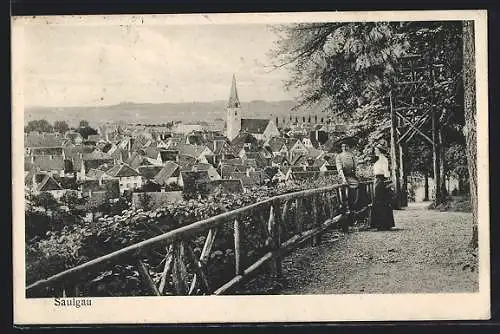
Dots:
{"x": 469, "y": 79}
{"x": 426, "y": 186}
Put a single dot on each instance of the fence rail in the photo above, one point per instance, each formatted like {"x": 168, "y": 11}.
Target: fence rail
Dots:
{"x": 286, "y": 221}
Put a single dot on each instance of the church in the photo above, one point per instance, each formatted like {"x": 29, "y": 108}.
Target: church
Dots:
{"x": 261, "y": 129}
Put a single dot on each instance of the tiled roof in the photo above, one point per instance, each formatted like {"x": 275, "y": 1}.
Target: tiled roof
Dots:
{"x": 186, "y": 161}
{"x": 257, "y": 126}
{"x": 190, "y": 150}
{"x": 253, "y": 179}
{"x": 122, "y": 170}
{"x": 97, "y": 155}
{"x": 48, "y": 183}
{"x": 276, "y": 143}
{"x": 171, "y": 169}
{"x": 48, "y": 163}
{"x": 169, "y": 155}
{"x": 193, "y": 177}
{"x": 149, "y": 172}
{"x": 135, "y": 160}
{"x": 42, "y": 140}
{"x": 314, "y": 153}
{"x": 47, "y": 151}
{"x": 95, "y": 173}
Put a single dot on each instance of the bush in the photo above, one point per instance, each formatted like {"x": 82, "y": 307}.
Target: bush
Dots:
{"x": 77, "y": 244}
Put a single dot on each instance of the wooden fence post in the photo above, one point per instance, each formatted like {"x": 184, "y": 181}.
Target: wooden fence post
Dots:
{"x": 316, "y": 220}
{"x": 237, "y": 250}
{"x": 299, "y": 215}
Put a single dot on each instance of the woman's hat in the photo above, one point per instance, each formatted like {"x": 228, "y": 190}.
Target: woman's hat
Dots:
{"x": 350, "y": 141}
{"x": 382, "y": 148}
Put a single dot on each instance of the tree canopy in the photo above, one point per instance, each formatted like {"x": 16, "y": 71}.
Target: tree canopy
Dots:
{"x": 350, "y": 67}
{"x": 39, "y": 125}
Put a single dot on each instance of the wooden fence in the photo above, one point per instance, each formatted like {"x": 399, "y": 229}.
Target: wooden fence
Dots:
{"x": 287, "y": 220}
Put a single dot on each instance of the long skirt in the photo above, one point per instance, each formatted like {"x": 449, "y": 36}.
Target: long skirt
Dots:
{"x": 382, "y": 217}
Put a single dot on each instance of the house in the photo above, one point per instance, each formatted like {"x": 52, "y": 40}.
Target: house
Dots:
{"x": 295, "y": 148}
{"x": 168, "y": 175}
{"x": 277, "y": 146}
{"x": 169, "y": 155}
{"x": 280, "y": 161}
{"x": 41, "y": 140}
{"x": 243, "y": 142}
{"x": 322, "y": 164}
{"x": 52, "y": 165}
{"x": 261, "y": 129}
{"x": 94, "y": 160}
{"x": 43, "y": 182}
{"x": 260, "y": 160}
{"x": 200, "y": 153}
{"x": 149, "y": 172}
{"x": 249, "y": 179}
{"x": 212, "y": 172}
{"x": 129, "y": 178}
{"x": 95, "y": 189}
{"x": 226, "y": 186}
{"x": 194, "y": 180}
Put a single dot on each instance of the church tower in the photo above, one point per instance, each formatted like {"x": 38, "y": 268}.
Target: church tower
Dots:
{"x": 233, "y": 113}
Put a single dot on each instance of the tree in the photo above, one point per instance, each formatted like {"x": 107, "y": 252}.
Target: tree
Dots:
{"x": 469, "y": 75}
{"x": 61, "y": 126}
{"x": 40, "y": 125}
{"x": 84, "y": 124}
{"x": 85, "y": 132}
{"x": 46, "y": 200}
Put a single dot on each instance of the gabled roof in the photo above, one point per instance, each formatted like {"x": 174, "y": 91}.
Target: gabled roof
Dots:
{"x": 235, "y": 161}
{"x": 227, "y": 186}
{"x": 251, "y": 125}
{"x": 243, "y": 138}
{"x": 42, "y": 140}
{"x": 122, "y": 170}
{"x": 290, "y": 142}
{"x": 320, "y": 162}
{"x": 169, "y": 155}
{"x": 48, "y": 163}
{"x": 314, "y": 153}
{"x": 260, "y": 160}
{"x": 190, "y": 150}
{"x": 252, "y": 179}
{"x": 48, "y": 184}
{"x": 47, "y": 151}
{"x": 186, "y": 161}
{"x": 135, "y": 160}
{"x": 95, "y": 173}
{"x": 152, "y": 152}
{"x": 279, "y": 159}
{"x": 97, "y": 155}
{"x": 194, "y": 177}
{"x": 276, "y": 143}
{"x": 171, "y": 169}
{"x": 149, "y": 172}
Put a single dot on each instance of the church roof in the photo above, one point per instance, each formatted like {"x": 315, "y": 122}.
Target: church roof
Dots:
{"x": 234, "y": 101}
{"x": 254, "y": 125}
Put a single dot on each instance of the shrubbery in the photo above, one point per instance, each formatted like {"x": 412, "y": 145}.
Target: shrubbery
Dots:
{"x": 72, "y": 245}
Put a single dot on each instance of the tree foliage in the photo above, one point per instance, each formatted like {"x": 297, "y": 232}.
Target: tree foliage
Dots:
{"x": 350, "y": 67}
{"x": 40, "y": 125}
{"x": 61, "y": 126}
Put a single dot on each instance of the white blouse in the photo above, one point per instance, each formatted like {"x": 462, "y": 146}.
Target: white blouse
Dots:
{"x": 381, "y": 167}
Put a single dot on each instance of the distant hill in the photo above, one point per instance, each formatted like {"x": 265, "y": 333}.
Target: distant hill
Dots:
{"x": 151, "y": 113}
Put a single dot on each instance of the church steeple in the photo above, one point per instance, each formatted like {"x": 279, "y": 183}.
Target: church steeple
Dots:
{"x": 233, "y": 113}
{"x": 234, "y": 101}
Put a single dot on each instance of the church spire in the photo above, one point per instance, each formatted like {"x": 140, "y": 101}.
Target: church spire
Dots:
{"x": 234, "y": 101}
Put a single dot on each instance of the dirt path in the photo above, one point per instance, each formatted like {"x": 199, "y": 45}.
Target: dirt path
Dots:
{"x": 425, "y": 253}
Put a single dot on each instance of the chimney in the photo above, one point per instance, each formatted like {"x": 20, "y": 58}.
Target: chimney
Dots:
{"x": 100, "y": 181}
{"x": 50, "y": 156}
{"x": 248, "y": 172}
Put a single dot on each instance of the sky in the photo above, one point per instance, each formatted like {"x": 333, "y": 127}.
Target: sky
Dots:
{"x": 105, "y": 65}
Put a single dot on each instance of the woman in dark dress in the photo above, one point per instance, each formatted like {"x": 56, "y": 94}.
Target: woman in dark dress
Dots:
{"x": 382, "y": 217}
